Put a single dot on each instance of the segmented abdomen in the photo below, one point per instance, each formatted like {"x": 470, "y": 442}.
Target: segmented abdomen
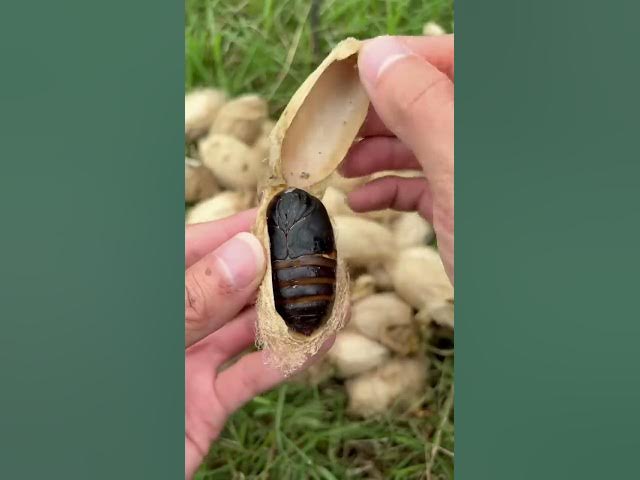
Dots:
{"x": 304, "y": 289}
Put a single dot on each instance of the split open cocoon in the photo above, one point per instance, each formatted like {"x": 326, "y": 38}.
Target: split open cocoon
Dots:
{"x": 307, "y": 144}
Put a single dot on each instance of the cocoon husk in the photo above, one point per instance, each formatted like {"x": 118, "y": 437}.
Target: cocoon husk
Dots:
{"x": 411, "y": 230}
{"x": 419, "y": 277}
{"x": 397, "y": 173}
{"x": 362, "y": 241}
{"x": 346, "y": 184}
{"x": 308, "y": 142}
{"x": 386, "y": 318}
{"x": 353, "y": 353}
{"x": 242, "y": 118}
{"x": 234, "y": 164}
{"x": 200, "y": 109}
{"x": 401, "y": 381}
{"x": 219, "y": 206}
{"x": 199, "y": 182}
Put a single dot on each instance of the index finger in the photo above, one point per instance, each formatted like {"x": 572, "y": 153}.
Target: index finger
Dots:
{"x": 202, "y": 238}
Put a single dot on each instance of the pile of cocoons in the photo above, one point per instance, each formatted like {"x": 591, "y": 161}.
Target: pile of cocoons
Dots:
{"x": 401, "y": 298}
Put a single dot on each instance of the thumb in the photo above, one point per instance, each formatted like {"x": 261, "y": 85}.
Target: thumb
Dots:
{"x": 415, "y": 102}
{"x": 413, "y": 98}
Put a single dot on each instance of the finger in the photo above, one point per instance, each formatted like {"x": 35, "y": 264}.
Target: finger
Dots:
{"x": 376, "y": 154}
{"x": 415, "y": 100}
{"x": 373, "y": 126}
{"x": 230, "y": 340}
{"x": 251, "y": 375}
{"x": 437, "y": 50}
{"x": 220, "y": 284}
{"x": 202, "y": 238}
{"x": 398, "y": 193}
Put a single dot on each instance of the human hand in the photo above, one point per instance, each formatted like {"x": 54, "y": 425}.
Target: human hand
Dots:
{"x": 410, "y": 83}
{"x": 224, "y": 266}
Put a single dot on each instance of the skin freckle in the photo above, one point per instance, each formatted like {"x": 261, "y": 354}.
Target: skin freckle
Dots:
{"x": 207, "y": 272}
{"x": 225, "y": 288}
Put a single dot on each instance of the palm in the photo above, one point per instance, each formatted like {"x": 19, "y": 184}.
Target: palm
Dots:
{"x": 212, "y": 395}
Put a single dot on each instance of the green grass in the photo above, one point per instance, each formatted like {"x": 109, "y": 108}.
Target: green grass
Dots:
{"x": 296, "y": 431}
{"x": 269, "y": 47}
{"x": 299, "y": 431}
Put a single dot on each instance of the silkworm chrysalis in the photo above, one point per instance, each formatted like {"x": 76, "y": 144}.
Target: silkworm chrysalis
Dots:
{"x": 303, "y": 259}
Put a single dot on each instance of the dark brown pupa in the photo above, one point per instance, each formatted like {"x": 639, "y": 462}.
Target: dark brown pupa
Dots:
{"x": 303, "y": 259}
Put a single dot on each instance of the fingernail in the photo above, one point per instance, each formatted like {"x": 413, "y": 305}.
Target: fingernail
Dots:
{"x": 241, "y": 259}
{"x": 378, "y": 54}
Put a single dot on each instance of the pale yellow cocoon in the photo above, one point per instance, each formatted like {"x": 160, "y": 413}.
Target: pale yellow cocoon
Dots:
{"x": 442, "y": 315}
{"x": 400, "y": 381}
{"x": 199, "y": 182}
{"x": 387, "y": 319}
{"x": 263, "y": 144}
{"x": 419, "y": 278}
{"x": 363, "y": 286}
{"x": 433, "y": 29}
{"x": 267, "y": 127}
{"x": 362, "y": 241}
{"x": 316, "y": 373}
{"x": 335, "y": 201}
{"x": 200, "y": 109}
{"x": 353, "y": 353}
{"x": 219, "y": 206}
{"x": 242, "y": 118}
{"x": 411, "y": 230}
{"x": 381, "y": 276}
{"x": 234, "y": 164}
{"x": 307, "y": 143}
{"x": 385, "y": 217}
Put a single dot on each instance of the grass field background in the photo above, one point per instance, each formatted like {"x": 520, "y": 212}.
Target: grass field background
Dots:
{"x": 297, "y": 431}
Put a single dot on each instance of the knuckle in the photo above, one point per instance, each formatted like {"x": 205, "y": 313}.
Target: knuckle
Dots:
{"x": 249, "y": 386}
{"x": 432, "y": 93}
{"x": 424, "y": 101}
